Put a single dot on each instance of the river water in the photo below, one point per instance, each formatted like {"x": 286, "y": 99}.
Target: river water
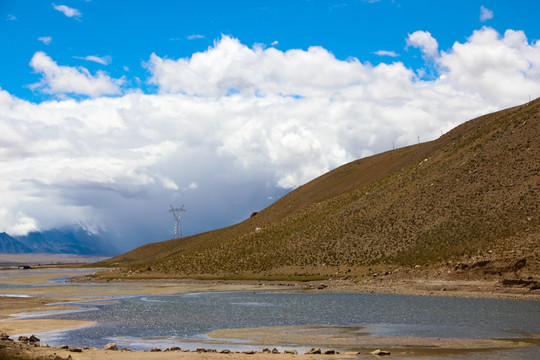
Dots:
{"x": 142, "y": 322}
{"x": 145, "y": 321}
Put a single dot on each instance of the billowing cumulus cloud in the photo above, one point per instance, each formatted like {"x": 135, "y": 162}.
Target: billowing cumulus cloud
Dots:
{"x": 232, "y": 127}
{"x": 68, "y": 80}
{"x": 493, "y": 66}
{"x": 231, "y": 67}
{"x": 425, "y": 42}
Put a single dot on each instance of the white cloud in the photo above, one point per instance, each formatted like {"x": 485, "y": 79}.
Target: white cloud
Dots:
{"x": 104, "y": 60}
{"x": 195, "y": 36}
{"x": 425, "y": 42}
{"x": 18, "y": 224}
{"x": 230, "y": 65}
{"x": 11, "y": 17}
{"x": 502, "y": 70}
{"x": 45, "y": 39}
{"x": 386, "y": 53}
{"x": 68, "y": 11}
{"x": 275, "y": 43}
{"x": 68, "y": 80}
{"x": 294, "y": 115}
{"x": 485, "y": 14}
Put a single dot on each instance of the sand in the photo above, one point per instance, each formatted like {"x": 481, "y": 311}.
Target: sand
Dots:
{"x": 361, "y": 340}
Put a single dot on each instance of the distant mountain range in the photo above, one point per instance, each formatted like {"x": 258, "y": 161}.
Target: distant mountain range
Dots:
{"x": 9, "y": 245}
{"x": 474, "y": 193}
{"x": 67, "y": 240}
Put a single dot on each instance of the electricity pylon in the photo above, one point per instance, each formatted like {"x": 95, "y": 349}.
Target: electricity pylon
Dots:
{"x": 177, "y": 213}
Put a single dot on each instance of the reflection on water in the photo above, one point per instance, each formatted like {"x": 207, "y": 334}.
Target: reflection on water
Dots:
{"x": 142, "y": 322}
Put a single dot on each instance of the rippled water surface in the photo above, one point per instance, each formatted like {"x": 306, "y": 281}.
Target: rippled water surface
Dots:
{"x": 144, "y": 321}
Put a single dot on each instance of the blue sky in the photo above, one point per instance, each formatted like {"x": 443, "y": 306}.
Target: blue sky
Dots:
{"x": 126, "y": 35}
{"x": 112, "y": 110}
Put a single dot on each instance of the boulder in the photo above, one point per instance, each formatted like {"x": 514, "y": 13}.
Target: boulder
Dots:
{"x": 225, "y": 351}
{"x": 330, "y": 352}
{"x": 294, "y": 352}
{"x": 23, "y": 338}
{"x": 175, "y": 348}
{"x": 275, "y": 351}
{"x": 380, "y": 352}
{"x": 314, "y": 351}
{"x": 75, "y": 350}
{"x": 33, "y": 338}
{"x": 4, "y": 336}
{"x": 248, "y": 352}
{"x": 266, "y": 350}
{"x": 63, "y": 347}
{"x": 516, "y": 282}
{"x": 155, "y": 350}
{"x": 111, "y": 346}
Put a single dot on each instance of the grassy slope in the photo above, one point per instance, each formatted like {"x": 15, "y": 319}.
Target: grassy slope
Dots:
{"x": 474, "y": 191}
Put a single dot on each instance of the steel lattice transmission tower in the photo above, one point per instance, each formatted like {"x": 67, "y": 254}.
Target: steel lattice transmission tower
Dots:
{"x": 177, "y": 213}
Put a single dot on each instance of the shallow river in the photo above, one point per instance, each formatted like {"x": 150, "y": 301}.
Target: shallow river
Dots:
{"x": 143, "y": 322}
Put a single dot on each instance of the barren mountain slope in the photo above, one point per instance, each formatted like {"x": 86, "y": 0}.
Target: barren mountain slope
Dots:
{"x": 473, "y": 193}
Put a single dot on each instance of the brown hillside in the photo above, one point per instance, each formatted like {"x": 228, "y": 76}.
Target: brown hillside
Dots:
{"x": 474, "y": 192}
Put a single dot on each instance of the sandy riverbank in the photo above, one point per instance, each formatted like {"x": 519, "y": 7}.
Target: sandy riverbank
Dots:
{"x": 488, "y": 289}
{"x": 23, "y": 351}
{"x": 13, "y": 307}
{"x": 398, "y": 347}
